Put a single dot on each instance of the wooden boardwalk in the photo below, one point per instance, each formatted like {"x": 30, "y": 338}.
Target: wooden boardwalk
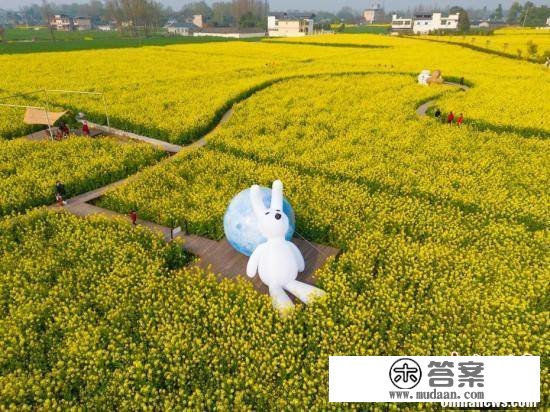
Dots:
{"x": 167, "y": 147}
{"x": 44, "y": 135}
{"x": 219, "y": 257}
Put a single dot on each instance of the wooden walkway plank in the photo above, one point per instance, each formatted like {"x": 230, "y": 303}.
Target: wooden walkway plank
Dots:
{"x": 86, "y": 209}
{"x": 96, "y": 193}
{"x": 167, "y": 147}
{"x": 218, "y": 256}
{"x": 44, "y": 135}
{"x": 223, "y": 260}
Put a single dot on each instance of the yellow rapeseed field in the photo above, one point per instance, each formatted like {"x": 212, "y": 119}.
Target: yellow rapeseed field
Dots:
{"x": 443, "y": 228}
{"x": 177, "y": 92}
{"x": 517, "y": 42}
{"x": 29, "y": 169}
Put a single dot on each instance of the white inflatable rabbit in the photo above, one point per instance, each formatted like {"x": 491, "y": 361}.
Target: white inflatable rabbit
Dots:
{"x": 277, "y": 261}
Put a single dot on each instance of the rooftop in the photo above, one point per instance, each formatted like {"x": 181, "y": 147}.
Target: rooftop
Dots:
{"x": 286, "y": 16}
{"x": 177, "y": 25}
{"x": 226, "y": 30}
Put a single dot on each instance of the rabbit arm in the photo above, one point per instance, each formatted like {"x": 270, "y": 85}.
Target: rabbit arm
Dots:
{"x": 298, "y": 256}
{"x": 254, "y": 261}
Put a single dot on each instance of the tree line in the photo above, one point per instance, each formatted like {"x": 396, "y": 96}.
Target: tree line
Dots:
{"x": 149, "y": 14}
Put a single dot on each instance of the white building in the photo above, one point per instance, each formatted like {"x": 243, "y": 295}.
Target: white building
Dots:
{"x": 426, "y": 23}
{"x": 61, "y": 22}
{"x": 548, "y": 21}
{"x": 182, "y": 29}
{"x": 373, "y": 15}
{"x": 82, "y": 23}
{"x": 401, "y": 23}
{"x": 289, "y": 26}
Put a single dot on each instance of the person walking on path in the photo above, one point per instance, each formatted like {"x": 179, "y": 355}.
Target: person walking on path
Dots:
{"x": 133, "y": 217}
{"x": 85, "y": 129}
{"x": 60, "y": 193}
{"x": 462, "y": 81}
{"x": 437, "y": 113}
{"x": 460, "y": 119}
{"x": 450, "y": 117}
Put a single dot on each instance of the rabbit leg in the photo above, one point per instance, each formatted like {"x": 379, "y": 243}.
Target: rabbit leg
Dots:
{"x": 280, "y": 299}
{"x": 306, "y": 293}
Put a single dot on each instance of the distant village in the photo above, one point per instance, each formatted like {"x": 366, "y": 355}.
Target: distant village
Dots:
{"x": 253, "y": 18}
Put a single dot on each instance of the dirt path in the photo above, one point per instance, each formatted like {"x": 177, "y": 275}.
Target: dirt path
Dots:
{"x": 423, "y": 108}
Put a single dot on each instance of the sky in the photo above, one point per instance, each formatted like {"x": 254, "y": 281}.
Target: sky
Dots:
{"x": 329, "y": 5}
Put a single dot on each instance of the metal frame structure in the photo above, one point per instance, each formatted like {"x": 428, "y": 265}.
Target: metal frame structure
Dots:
{"x": 47, "y": 108}
{"x": 33, "y": 107}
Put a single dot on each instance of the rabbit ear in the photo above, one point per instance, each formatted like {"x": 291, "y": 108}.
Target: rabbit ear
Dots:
{"x": 277, "y": 195}
{"x": 256, "y": 199}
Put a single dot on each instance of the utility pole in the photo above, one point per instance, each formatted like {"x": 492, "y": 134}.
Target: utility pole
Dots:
{"x": 525, "y": 17}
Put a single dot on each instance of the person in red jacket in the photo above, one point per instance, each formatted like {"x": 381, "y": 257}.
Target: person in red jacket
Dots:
{"x": 133, "y": 217}
{"x": 450, "y": 117}
{"x": 85, "y": 129}
{"x": 460, "y": 119}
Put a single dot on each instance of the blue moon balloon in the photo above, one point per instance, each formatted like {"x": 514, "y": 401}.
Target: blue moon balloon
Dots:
{"x": 241, "y": 226}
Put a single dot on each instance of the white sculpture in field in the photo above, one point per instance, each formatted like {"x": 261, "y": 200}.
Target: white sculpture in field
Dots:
{"x": 277, "y": 261}
{"x": 424, "y": 76}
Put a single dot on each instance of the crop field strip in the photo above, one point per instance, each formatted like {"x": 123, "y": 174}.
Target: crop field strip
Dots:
{"x": 30, "y": 169}
{"x": 175, "y": 119}
{"x": 221, "y": 119}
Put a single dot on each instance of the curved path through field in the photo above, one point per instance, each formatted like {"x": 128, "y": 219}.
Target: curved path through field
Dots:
{"x": 219, "y": 257}
{"x": 423, "y": 108}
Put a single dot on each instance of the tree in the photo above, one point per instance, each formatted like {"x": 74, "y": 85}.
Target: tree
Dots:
{"x": 527, "y": 8}
{"x": 533, "y": 16}
{"x": 47, "y": 12}
{"x": 347, "y": 15}
{"x": 248, "y": 20}
{"x": 200, "y": 7}
{"x": 463, "y": 18}
{"x": 222, "y": 14}
{"x": 499, "y": 13}
{"x": 2, "y": 33}
{"x": 136, "y": 15}
{"x": 532, "y": 48}
{"x": 254, "y": 10}
{"x": 514, "y": 13}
